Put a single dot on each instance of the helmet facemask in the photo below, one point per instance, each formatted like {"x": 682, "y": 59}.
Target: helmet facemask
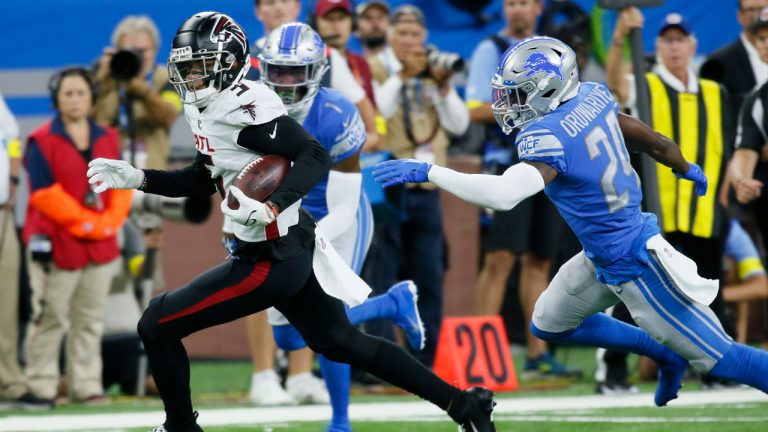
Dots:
{"x": 296, "y": 85}
{"x": 510, "y": 107}
{"x": 199, "y": 77}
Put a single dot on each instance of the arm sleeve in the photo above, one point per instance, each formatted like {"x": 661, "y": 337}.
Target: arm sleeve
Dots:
{"x": 496, "y": 192}
{"x": 453, "y": 114}
{"x": 388, "y": 95}
{"x": 194, "y": 180}
{"x": 740, "y": 247}
{"x": 342, "y": 196}
{"x": 750, "y": 133}
{"x": 311, "y": 162}
{"x": 342, "y": 79}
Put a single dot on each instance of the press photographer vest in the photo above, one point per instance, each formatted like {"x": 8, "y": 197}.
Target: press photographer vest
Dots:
{"x": 699, "y": 123}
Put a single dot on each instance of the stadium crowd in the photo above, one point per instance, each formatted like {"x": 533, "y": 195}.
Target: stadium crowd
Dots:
{"x": 70, "y": 273}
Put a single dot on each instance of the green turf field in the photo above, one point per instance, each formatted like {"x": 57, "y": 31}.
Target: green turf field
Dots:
{"x": 538, "y": 406}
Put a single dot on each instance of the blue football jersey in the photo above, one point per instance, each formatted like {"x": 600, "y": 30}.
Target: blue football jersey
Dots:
{"x": 596, "y": 191}
{"x": 337, "y": 125}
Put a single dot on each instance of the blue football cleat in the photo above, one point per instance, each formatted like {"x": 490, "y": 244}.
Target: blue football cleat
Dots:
{"x": 407, "y": 317}
{"x": 671, "y": 374}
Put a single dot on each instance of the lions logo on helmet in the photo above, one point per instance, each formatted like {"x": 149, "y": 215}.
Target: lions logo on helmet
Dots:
{"x": 534, "y": 77}
{"x": 293, "y": 62}
{"x": 209, "y": 54}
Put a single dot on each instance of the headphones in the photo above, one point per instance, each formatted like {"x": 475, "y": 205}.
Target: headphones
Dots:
{"x": 54, "y": 83}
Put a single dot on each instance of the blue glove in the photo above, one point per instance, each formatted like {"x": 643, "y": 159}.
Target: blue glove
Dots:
{"x": 697, "y": 176}
{"x": 399, "y": 171}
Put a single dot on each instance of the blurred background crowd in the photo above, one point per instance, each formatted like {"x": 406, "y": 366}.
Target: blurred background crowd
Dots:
{"x": 77, "y": 268}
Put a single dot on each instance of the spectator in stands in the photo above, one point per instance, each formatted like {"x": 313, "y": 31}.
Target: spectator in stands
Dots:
{"x": 274, "y": 13}
{"x": 696, "y": 226}
{"x": 372, "y": 27}
{"x": 70, "y": 235}
{"x": 13, "y": 386}
{"x": 422, "y": 108}
{"x": 530, "y": 231}
{"x": 145, "y": 96}
{"x": 737, "y": 66}
{"x": 745, "y": 279}
{"x": 332, "y": 19}
{"x": 748, "y": 168}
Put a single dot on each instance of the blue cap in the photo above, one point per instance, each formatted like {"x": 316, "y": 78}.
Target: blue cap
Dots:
{"x": 675, "y": 20}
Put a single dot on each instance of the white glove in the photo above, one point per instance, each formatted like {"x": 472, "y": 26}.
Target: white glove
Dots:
{"x": 250, "y": 212}
{"x": 113, "y": 174}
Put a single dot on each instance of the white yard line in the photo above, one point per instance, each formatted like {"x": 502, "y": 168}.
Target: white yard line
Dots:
{"x": 387, "y": 411}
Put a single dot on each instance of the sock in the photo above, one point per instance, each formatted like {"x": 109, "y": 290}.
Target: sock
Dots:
{"x": 603, "y": 331}
{"x": 606, "y": 332}
{"x": 287, "y": 338}
{"x": 337, "y": 380}
{"x": 744, "y": 364}
{"x": 383, "y": 306}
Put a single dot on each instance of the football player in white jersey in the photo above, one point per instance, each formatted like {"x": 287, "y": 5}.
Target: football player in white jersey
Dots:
{"x": 293, "y": 61}
{"x": 279, "y": 260}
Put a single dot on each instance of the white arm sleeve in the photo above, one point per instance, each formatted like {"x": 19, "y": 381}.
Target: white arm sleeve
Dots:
{"x": 496, "y": 192}
{"x": 453, "y": 113}
{"x": 342, "y": 79}
{"x": 388, "y": 95}
{"x": 342, "y": 195}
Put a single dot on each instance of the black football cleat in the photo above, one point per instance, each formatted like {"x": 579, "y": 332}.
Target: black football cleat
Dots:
{"x": 478, "y": 411}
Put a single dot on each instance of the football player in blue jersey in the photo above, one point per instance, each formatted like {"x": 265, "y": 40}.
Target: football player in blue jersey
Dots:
{"x": 573, "y": 145}
{"x": 293, "y": 62}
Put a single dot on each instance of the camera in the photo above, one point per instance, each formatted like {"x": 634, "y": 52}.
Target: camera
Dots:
{"x": 126, "y": 64}
{"x": 150, "y": 209}
{"x": 442, "y": 59}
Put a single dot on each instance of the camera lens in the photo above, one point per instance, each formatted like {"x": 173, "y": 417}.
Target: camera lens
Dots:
{"x": 125, "y": 64}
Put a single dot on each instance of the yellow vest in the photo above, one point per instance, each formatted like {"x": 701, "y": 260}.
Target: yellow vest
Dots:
{"x": 697, "y": 122}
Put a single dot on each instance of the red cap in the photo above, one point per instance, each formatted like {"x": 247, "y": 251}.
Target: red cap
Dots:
{"x": 325, "y": 6}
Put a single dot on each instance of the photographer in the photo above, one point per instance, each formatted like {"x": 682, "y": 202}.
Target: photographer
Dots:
{"x": 133, "y": 92}
{"x": 422, "y": 108}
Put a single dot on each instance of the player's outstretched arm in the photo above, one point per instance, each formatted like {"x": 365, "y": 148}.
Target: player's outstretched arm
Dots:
{"x": 194, "y": 180}
{"x": 639, "y": 137}
{"x": 496, "y": 192}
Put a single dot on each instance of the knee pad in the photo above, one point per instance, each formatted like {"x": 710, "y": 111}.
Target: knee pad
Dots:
{"x": 288, "y": 338}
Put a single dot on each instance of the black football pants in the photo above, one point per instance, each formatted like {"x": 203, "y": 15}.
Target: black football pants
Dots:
{"x": 238, "y": 288}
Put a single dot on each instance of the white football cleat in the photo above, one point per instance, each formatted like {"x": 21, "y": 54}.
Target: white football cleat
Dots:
{"x": 266, "y": 390}
{"x": 307, "y": 389}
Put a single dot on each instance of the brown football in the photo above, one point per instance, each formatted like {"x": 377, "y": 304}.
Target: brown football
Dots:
{"x": 260, "y": 178}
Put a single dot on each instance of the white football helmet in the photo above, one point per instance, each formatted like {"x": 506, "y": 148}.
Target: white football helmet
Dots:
{"x": 293, "y": 62}
{"x": 534, "y": 77}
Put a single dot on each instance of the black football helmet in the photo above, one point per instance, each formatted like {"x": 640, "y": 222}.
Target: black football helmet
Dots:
{"x": 209, "y": 54}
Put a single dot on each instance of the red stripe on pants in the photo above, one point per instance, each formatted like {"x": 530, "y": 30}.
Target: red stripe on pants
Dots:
{"x": 250, "y": 283}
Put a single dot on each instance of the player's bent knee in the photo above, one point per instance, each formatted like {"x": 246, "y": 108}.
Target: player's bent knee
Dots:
{"x": 288, "y": 338}
{"x": 548, "y": 336}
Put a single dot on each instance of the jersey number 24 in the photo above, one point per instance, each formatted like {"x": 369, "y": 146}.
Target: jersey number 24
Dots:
{"x": 617, "y": 153}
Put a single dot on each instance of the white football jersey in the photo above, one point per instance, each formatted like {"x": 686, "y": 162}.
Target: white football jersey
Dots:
{"x": 216, "y": 130}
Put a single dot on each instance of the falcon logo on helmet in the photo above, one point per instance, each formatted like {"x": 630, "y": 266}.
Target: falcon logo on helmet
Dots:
{"x": 226, "y": 29}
